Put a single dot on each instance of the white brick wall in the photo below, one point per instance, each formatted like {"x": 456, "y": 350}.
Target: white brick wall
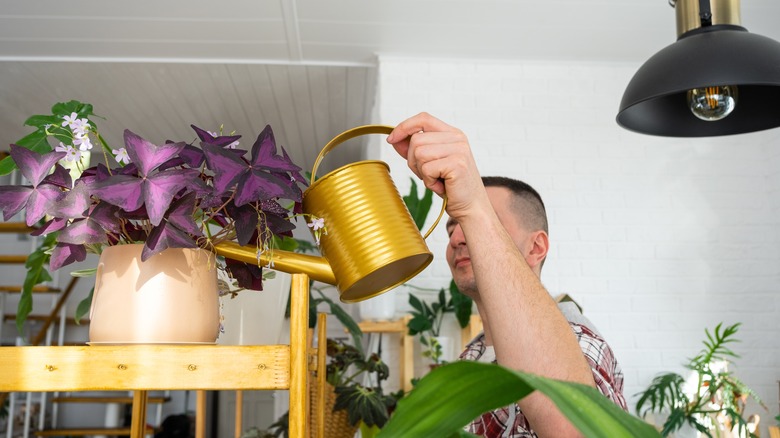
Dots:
{"x": 657, "y": 238}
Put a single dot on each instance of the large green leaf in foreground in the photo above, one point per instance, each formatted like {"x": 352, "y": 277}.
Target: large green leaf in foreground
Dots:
{"x": 451, "y": 396}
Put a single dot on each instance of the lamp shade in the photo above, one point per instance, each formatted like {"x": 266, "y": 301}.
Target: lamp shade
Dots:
{"x": 655, "y": 101}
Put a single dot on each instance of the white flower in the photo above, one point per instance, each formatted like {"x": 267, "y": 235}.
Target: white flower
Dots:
{"x": 317, "y": 223}
{"x": 80, "y": 127}
{"x": 232, "y": 145}
{"x": 70, "y": 120}
{"x": 213, "y": 134}
{"x": 71, "y": 153}
{"x": 121, "y": 155}
{"x": 82, "y": 142}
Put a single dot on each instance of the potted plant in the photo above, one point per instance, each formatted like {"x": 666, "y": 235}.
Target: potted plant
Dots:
{"x": 190, "y": 195}
{"x": 348, "y": 369}
{"x": 717, "y": 402}
{"x": 427, "y": 319}
{"x": 351, "y": 402}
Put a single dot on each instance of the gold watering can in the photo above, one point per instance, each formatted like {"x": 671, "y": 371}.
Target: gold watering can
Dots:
{"x": 372, "y": 244}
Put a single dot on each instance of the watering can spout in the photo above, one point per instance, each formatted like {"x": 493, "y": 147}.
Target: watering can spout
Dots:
{"x": 317, "y": 268}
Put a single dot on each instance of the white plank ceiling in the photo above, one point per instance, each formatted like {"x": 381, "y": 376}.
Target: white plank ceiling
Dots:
{"x": 307, "y": 67}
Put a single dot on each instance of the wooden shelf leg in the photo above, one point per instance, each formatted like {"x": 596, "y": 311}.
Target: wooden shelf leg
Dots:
{"x": 322, "y": 348}
{"x": 239, "y": 413}
{"x": 299, "y": 355}
{"x": 200, "y": 414}
{"x": 138, "y": 421}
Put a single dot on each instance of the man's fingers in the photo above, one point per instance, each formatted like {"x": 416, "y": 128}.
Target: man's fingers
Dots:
{"x": 421, "y": 122}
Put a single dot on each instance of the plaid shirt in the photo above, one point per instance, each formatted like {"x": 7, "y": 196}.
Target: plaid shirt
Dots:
{"x": 510, "y": 422}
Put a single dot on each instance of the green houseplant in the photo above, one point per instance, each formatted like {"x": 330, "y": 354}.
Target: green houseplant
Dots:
{"x": 364, "y": 403}
{"x": 192, "y": 194}
{"x": 718, "y": 398}
{"x": 427, "y": 318}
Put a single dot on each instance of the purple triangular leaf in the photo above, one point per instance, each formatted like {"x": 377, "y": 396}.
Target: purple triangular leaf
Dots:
{"x": 245, "y": 221}
{"x": 297, "y": 194}
{"x": 148, "y": 156}
{"x": 264, "y": 153}
{"x": 278, "y": 225}
{"x": 180, "y": 215}
{"x": 40, "y": 202}
{"x": 295, "y": 173}
{"x": 74, "y": 204}
{"x": 163, "y": 237}
{"x": 258, "y": 185}
{"x": 192, "y": 156}
{"x": 64, "y": 254}
{"x": 51, "y": 226}
{"x": 271, "y": 206}
{"x": 247, "y": 276}
{"x": 83, "y": 232}
{"x": 60, "y": 177}
{"x": 124, "y": 191}
{"x": 227, "y": 167}
{"x": 220, "y": 140}
{"x": 159, "y": 189}
{"x": 106, "y": 216}
{"x": 33, "y": 165}
{"x": 13, "y": 199}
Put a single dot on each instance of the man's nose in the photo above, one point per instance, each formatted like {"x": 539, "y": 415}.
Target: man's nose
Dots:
{"x": 456, "y": 237}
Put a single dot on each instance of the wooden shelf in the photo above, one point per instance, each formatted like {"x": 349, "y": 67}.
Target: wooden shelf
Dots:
{"x": 133, "y": 367}
{"x": 140, "y": 368}
{"x": 406, "y": 365}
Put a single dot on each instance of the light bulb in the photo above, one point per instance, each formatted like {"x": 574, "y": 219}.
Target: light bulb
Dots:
{"x": 712, "y": 103}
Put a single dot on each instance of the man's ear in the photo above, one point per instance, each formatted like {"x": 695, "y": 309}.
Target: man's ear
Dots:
{"x": 540, "y": 244}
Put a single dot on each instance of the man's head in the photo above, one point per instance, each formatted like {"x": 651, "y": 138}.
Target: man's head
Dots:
{"x": 521, "y": 211}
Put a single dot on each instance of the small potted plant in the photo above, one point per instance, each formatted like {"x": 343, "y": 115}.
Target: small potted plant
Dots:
{"x": 427, "y": 320}
{"x": 188, "y": 194}
{"x": 348, "y": 371}
{"x": 350, "y": 402}
{"x": 717, "y": 403}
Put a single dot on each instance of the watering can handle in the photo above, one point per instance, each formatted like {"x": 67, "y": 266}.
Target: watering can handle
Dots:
{"x": 357, "y": 132}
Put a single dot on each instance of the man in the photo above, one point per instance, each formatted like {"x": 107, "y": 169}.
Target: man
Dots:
{"x": 498, "y": 243}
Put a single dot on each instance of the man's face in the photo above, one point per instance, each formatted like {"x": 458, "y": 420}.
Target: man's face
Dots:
{"x": 457, "y": 251}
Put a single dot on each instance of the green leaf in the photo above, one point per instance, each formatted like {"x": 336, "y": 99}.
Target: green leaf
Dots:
{"x": 415, "y": 303}
{"x": 362, "y": 404}
{"x": 423, "y": 208}
{"x": 418, "y": 207}
{"x": 84, "y": 306}
{"x": 664, "y": 393}
{"x": 40, "y": 121}
{"x": 73, "y": 106}
{"x": 418, "y": 324}
{"x": 452, "y": 395}
{"x": 36, "y": 274}
{"x": 462, "y": 305}
{"x": 88, "y": 272}
{"x": 346, "y": 320}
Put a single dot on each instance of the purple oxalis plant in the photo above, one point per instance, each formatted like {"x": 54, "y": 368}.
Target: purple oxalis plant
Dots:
{"x": 173, "y": 195}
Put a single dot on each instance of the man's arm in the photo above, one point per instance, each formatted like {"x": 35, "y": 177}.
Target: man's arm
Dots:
{"x": 528, "y": 331}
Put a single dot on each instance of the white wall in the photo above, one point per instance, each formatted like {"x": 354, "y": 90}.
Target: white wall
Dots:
{"x": 657, "y": 238}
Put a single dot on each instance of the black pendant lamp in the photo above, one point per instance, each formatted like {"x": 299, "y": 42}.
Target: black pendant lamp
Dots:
{"x": 717, "y": 79}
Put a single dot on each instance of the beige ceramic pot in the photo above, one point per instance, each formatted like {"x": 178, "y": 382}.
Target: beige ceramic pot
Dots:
{"x": 171, "y": 298}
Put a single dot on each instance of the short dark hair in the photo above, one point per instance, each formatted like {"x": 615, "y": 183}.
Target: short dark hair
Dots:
{"x": 530, "y": 207}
